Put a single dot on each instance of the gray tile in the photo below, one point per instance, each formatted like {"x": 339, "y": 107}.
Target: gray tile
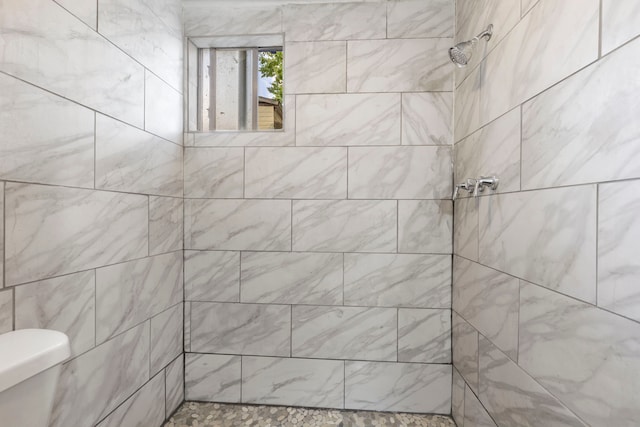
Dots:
{"x": 427, "y": 118}
{"x": 213, "y": 172}
{"x": 165, "y": 224}
{"x": 425, "y": 226}
{"x": 465, "y": 350}
{"x": 419, "y": 18}
{"x": 457, "y": 398}
{"x": 144, "y": 408}
{"x": 6, "y": 311}
{"x": 212, "y": 276}
{"x": 212, "y": 377}
{"x": 424, "y": 335}
{"x": 166, "y": 338}
{"x": 475, "y": 415}
{"x": 465, "y": 228}
{"x": 174, "y": 385}
{"x": 316, "y": 67}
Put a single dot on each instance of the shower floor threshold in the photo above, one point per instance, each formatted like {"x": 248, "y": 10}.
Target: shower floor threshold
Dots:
{"x": 191, "y": 414}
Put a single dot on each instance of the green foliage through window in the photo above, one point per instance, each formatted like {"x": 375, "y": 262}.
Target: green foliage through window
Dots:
{"x": 271, "y": 66}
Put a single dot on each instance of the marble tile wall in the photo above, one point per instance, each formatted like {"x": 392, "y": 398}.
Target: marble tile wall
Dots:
{"x": 91, "y": 186}
{"x": 545, "y": 302}
{"x": 318, "y": 259}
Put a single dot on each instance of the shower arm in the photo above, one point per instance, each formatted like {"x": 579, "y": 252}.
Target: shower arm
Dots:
{"x": 486, "y": 33}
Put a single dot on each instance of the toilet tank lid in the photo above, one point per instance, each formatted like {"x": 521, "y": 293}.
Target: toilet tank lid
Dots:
{"x": 27, "y": 352}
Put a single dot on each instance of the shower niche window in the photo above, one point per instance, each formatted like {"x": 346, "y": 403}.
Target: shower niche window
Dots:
{"x": 238, "y": 87}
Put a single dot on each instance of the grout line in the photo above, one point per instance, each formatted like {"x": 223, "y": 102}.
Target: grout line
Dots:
{"x": 600, "y": 10}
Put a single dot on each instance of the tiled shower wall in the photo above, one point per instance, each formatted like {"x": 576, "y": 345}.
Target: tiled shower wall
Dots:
{"x": 91, "y": 193}
{"x": 318, "y": 259}
{"x": 545, "y": 289}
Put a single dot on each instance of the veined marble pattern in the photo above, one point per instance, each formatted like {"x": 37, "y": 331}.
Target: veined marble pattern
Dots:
{"x": 465, "y": 228}
{"x": 493, "y": 150}
{"x": 128, "y": 159}
{"x": 6, "y": 311}
{"x": 346, "y": 21}
{"x": 3, "y": 282}
{"x": 58, "y": 151}
{"x": 465, "y": 350}
{"x": 316, "y": 67}
{"x": 87, "y": 11}
{"x": 144, "y": 408}
{"x": 547, "y": 237}
{"x": 344, "y": 225}
{"x": 526, "y": 5}
{"x": 409, "y": 387}
{"x": 174, "y": 385}
{"x": 304, "y": 382}
{"x": 166, "y": 338}
{"x": 417, "y": 18}
{"x": 425, "y": 226}
{"x": 584, "y": 356}
{"x": 424, "y": 335}
{"x": 148, "y": 30}
{"x": 400, "y": 280}
{"x": 399, "y": 172}
{"x": 45, "y": 45}
{"x": 399, "y": 65}
{"x": 339, "y": 119}
{"x": 466, "y": 117}
{"x": 559, "y": 149}
{"x": 457, "y": 398}
{"x": 489, "y": 301}
{"x": 187, "y": 326}
{"x": 291, "y": 278}
{"x": 190, "y": 71}
{"x": 618, "y": 23}
{"x": 474, "y": 413}
{"x": 238, "y": 224}
{"x": 64, "y": 304}
{"x": 88, "y": 390}
{"x": 513, "y": 398}
{"x": 223, "y": 21}
{"x": 129, "y": 293}
{"x": 300, "y": 172}
{"x": 162, "y": 109}
{"x": 212, "y": 276}
{"x": 213, "y": 172}
{"x": 344, "y": 333}
{"x": 212, "y": 377}
{"x": 53, "y": 231}
{"x": 427, "y": 118}
{"x": 256, "y": 329}
{"x": 165, "y": 224}
{"x": 618, "y": 237}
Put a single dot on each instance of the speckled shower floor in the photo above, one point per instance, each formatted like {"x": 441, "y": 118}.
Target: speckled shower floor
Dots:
{"x": 193, "y": 414}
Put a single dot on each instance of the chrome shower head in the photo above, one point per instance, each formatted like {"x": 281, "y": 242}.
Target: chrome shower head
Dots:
{"x": 460, "y": 54}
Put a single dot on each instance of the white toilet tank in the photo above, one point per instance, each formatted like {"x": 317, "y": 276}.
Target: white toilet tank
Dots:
{"x": 30, "y": 362}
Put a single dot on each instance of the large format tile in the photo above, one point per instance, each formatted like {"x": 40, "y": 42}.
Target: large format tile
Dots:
{"x": 316, "y": 67}
{"x": 618, "y": 237}
{"x": 238, "y": 224}
{"x": 213, "y": 172}
{"x": 6, "y": 311}
{"x": 212, "y": 377}
{"x": 547, "y": 237}
{"x": 298, "y": 382}
{"x": 56, "y": 230}
{"x": 165, "y": 224}
{"x": 208, "y": 20}
{"x": 162, "y": 109}
{"x": 344, "y": 333}
{"x": 131, "y": 292}
{"x": 489, "y": 301}
{"x": 345, "y": 225}
{"x": 144, "y": 408}
{"x": 59, "y": 150}
{"x": 399, "y": 172}
{"x": 212, "y": 276}
{"x": 3, "y": 253}
{"x": 64, "y": 304}
{"x": 427, "y": 118}
{"x": 583, "y": 130}
{"x": 466, "y": 105}
{"x": 409, "y": 65}
{"x": 465, "y": 350}
{"x": 425, "y": 226}
{"x": 409, "y": 387}
{"x": 419, "y": 18}
{"x": 513, "y": 398}
{"x": 457, "y": 398}
{"x": 300, "y": 172}
{"x": 584, "y": 356}
{"x": 45, "y": 45}
{"x": 131, "y": 160}
{"x": 339, "y": 119}
{"x": 475, "y": 415}
{"x": 619, "y": 23}
{"x": 494, "y": 150}
{"x": 465, "y": 228}
{"x": 424, "y": 335}
{"x": 88, "y": 390}
{"x": 166, "y": 338}
{"x": 291, "y": 278}
{"x": 256, "y": 329}
{"x": 86, "y": 11}
{"x": 401, "y": 280}
{"x": 347, "y": 21}
{"x": 174, "y": 385}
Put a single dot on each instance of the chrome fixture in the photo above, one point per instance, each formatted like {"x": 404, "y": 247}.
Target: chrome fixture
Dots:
{"x": 460, "y": 54}
{"x": 468, "y": 185}
{"x": 485, "y": 181}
